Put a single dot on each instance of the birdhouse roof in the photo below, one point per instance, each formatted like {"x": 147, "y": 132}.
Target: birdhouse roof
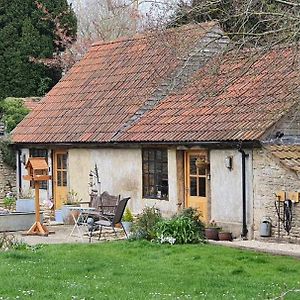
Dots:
{"x": 37, "y": 163}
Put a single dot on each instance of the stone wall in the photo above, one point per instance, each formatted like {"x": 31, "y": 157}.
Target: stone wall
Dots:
{"x": 269, "y": 177}
{"x": 7, "y": 179}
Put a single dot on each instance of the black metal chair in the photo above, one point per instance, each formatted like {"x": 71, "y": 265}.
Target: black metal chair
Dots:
{"x": 108, "y": 220}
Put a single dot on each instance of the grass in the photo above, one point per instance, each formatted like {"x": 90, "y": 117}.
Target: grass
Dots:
{"x": 142, "y": 270}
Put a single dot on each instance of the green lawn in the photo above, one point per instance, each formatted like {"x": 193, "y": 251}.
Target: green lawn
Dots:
{"x": 142, "y": 270}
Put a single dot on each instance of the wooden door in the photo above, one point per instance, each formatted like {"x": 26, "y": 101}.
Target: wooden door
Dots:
{"x": 60, "y": 178}
{"x": 196, "y": 170}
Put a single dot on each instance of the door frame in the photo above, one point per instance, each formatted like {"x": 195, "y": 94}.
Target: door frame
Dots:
{"x": 187, "y": 153}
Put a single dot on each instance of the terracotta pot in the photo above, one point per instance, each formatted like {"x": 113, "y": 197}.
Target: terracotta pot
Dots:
{"x": 212, "y": 233}
{"x": 225, "y": 236}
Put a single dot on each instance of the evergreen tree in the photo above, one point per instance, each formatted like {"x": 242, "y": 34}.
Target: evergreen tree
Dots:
{"x": 26, "y": 35}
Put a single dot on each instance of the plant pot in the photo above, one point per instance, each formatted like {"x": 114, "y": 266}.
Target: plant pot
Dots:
{"x": 127, "y": 227}
{"x": 58, "y": 216}
{"x": 25, "y": 205}
{"x": 225, "y": 236}
{"x": 212, "y": 233}
{"x": 66, "y": 214}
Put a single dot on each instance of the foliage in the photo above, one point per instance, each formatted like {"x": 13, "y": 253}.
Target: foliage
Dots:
{"x": 127, "y": 217}
{"x": 8, "y": 153}
{"x": 13, "y": 111}
{"x": 9, "y": 202}
{"x": 249, "y": 23}
{"x": 72, "y": 198}
{"x": 183, "y": 228}
{"x": 144, "y": 227}
{"x": 25, "y": 33}
{"x": 10, "y": 242}
{"x": 144, "y": 270}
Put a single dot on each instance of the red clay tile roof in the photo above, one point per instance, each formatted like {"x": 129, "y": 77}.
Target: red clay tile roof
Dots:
{"x": 103, "y": 91}
{"x": 238, "y": 101}
{"x": 31, "y": 102}
{"x": 288, "y": 155}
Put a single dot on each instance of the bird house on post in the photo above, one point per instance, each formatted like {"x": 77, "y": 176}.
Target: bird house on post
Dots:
{"x": 37, "y": 171}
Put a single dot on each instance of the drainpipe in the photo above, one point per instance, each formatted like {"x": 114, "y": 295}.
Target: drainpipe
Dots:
{"x": 245, "y": 229}
{"x": 19, "y": 168}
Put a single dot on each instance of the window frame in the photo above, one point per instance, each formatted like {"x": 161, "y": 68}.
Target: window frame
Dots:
{"x": 155, "y": 175}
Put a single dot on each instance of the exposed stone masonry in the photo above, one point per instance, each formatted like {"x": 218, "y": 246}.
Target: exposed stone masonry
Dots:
{"x": 7, "y": 179}
{"x": 269, "y": 177}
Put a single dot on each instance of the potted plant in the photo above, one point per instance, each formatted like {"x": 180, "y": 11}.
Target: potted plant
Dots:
{"x": 25, "y": 201}
{"x": 72, "y": 201}
{"x": 127, "y": 221}
{"x": 225, "y": 235}
{"x": 212, "y": 231}
{"x": 9, "y": 201}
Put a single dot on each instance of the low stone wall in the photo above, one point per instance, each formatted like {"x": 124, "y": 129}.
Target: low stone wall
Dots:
{"x": 269, "y": 177}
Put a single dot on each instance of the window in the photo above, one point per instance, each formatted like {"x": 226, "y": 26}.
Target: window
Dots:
{"x": 155, "y": 173}
{"x": 39, "y": 153}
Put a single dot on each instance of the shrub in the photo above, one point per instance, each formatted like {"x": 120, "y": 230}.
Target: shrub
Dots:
{"x": 144, "y": 227}
{"x": 183, "y": 228}
{"x": 9, "y": 202}
{"x": 128, "y": 217}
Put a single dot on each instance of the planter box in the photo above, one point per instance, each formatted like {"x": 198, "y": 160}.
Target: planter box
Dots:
{"x": 66, "y": 211}
{"x": 25, "y": 205}
{"x": 17, "y": 221}
{"x": 212, "y": 233}
{"x": 225, "y": 236}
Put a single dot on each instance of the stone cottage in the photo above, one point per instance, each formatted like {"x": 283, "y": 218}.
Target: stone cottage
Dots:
{"x": 172, "y": 121}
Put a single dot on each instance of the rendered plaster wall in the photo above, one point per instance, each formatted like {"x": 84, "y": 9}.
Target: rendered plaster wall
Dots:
{"x": 120, "y": 172}
{"x": 270, "y": 176}
{"x": 226, "y": 190}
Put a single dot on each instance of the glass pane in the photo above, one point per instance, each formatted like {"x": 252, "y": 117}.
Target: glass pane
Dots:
{"x": 59, "y": 181}
{"x": 201, "y": 171}
{"x": 59, "y": 165}
{"x": 151, "y": 179}
{"x": 152, "y": 191}
{"x": 151, "y": 167}
{"x": 64, "y": 161}
{"x": 193, "y": 169}
{"x": 164, "y": 154}
{"x": 158, "y": 155}
{"x": 145, "y": 155}
{"x": 193, "y": 186}
{"x": 145, "y": 167}
{"x": 151, "y": 155}
{"x": 165, "y": 168}
{"x": 202, "y": 187}
{"x": 64, "y": 178}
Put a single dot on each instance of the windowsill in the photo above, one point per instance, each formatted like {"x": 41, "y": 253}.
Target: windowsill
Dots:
{"x": 152, "y": 198}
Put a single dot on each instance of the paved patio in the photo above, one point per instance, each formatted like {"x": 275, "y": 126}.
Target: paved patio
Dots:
{"x": 60, "y": 234}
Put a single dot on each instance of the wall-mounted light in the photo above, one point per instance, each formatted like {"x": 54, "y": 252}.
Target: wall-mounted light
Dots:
{"x": 23, "y": 159}
{"x": 228, "y": 162}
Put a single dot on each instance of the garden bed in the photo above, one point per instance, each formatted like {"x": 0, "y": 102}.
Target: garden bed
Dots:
{"x": 16, "y": 221}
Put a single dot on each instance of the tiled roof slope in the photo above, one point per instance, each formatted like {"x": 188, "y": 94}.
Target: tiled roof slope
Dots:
{"x": 288, "y": 155}
{"x": 104, "y": 91}
{"x": 238, "y": 99}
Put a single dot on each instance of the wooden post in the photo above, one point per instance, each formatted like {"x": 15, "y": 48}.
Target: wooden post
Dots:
{"x": 37, "y": 228}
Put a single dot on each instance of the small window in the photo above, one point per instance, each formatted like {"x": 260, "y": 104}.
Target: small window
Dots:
{"x": 39, "y": 153}
{"x": 155, "y": 174}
